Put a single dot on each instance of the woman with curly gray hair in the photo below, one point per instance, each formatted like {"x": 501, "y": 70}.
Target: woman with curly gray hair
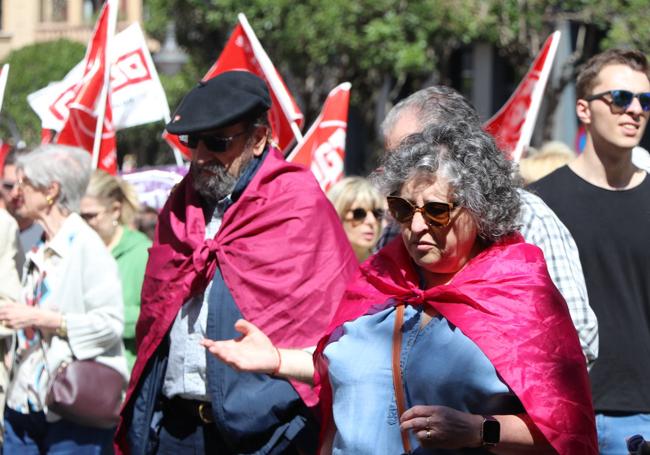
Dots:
{"x": 452, "y": 337}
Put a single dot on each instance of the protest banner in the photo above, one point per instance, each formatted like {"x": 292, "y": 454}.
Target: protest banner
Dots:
{"x": 512, "y": 126}
{"x": 137, "y": 97}
{"x": 153, "y": 184}
{"x": 323, "y": 147}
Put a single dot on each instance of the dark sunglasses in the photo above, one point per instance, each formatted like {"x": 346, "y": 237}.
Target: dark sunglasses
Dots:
{"x": 360, "y": 214}
{"x": 215, "y": 144}
{"x": 8, "y": 186}
{"x": 434, "y": 213}
{"x": 621, "y": 99}
{"x": 89, "y": 216}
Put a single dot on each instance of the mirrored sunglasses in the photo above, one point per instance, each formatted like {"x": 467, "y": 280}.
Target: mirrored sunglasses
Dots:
{"x": 360, "y": 214}
{"x": 620, "y": 100}
{"x": 434, "y": 213}
{"x": 216, "y": 144}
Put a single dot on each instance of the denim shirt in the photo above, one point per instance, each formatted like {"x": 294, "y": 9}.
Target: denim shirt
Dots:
{"x": 440, "y": 366}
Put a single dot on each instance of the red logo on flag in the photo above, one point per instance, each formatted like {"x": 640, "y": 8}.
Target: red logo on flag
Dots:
{"x": 323, "y": 147}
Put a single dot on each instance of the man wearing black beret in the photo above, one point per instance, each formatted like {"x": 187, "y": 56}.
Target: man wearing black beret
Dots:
{"x": 245, "y": 235}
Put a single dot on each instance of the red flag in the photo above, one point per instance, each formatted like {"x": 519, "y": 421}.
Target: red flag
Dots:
{"x": 91, "y": 102}
{"x": 513, "y": 125}
{"x": 176, "y": 145}
{"x": 244, "y": 52}
{"x": 323, "y": 147}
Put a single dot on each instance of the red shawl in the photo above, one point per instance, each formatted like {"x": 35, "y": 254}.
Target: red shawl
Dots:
{"x": 506, "y": 303}
{"x": 281, "y": 250}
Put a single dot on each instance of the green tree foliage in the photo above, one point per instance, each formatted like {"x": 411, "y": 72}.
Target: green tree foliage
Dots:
{"x": 386, "y": 48}
{"x": 630, "y": 25}
{"x": 317, "y": 45}
{"x": 32, "y": 68}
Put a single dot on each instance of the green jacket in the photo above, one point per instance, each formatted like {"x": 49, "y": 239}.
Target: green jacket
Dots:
{"x": 131, "y": 254}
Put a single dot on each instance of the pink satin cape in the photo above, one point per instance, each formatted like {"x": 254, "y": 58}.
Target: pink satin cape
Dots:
{"x": 506, "y": 303}
{"x": 282, "y": 253}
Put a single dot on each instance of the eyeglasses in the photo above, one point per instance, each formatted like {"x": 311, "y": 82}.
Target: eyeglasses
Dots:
{"x": 89, "y": 216}
{"x": 360, "y": 214}
{"x": 621, "y": 99}
{"x": 8, "y": 186}
{"x": 434, "y": 213}
{"x": 216, "y": 144}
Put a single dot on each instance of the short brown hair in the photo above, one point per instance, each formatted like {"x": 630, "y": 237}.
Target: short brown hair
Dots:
{"x": 587, "y": 79}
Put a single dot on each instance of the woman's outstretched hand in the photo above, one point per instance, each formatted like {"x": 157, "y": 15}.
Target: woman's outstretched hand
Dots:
{"x": 252, "y": 352}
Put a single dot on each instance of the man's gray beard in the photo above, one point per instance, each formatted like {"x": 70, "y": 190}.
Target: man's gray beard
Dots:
{"x": 213, "y": 185}
{"x": 217, "y": 183}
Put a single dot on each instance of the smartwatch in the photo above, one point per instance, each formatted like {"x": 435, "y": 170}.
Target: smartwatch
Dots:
{"x": 490, "y": 431}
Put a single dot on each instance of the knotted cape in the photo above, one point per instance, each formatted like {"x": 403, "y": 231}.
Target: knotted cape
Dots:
{"x": 281, "y": 250}
{"x": 506, "y": 303}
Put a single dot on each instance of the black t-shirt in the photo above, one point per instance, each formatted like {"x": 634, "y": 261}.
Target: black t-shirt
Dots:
{"x": 612, "y": 231}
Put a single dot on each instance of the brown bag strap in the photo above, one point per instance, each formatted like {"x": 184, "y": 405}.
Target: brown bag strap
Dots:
{"x": 398, "y": 386}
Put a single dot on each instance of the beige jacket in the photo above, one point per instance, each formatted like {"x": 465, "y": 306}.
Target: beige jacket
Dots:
{"x": 82, "y": 283}
{"x": 11, "y": 263}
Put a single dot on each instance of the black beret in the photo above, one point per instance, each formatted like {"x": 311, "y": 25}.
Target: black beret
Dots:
{"x": 225, "y": 99}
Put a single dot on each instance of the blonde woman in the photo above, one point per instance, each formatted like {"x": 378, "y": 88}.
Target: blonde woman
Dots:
{"x": 109, "y": 207}
{"x": 361, "y": 210}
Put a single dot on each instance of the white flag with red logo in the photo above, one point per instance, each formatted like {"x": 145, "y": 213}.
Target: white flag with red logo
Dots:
{"x": 512, "y": 127}
{"x": 4, "y": 74}
{"x": 90, "y": 122}
{"x": 244, "y": 52}
{"x": 323, "y": 147}
{"x": 137, "y": 97}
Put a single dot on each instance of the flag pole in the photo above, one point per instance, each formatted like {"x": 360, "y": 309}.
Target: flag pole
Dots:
{"x": 3, "y": 82}
{"x": 269, "y": 70}
{"x": 99, "y": 127}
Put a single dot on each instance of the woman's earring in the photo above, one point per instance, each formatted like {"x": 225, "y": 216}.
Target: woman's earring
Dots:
{"x": 49, "y": 200}
{"x": 114, "y": 222}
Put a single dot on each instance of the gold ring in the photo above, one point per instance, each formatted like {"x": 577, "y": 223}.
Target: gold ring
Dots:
{"x": 427, "y": 435}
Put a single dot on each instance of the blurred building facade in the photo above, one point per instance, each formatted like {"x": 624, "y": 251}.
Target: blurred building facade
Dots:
{"x": 24, "y": 22}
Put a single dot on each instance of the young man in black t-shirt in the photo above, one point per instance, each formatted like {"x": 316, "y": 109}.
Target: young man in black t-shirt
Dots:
{"x": 604, "y": 200}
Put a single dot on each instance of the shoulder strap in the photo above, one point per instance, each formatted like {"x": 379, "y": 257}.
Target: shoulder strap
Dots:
{"x": 398, "y": 386}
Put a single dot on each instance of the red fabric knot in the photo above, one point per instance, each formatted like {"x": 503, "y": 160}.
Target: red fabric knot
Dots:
{"x": 416, "y": 298}
{"x": 204, "y": 255}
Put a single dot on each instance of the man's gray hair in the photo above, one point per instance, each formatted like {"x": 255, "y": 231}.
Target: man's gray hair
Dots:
{"x": 435, "y": 104}
{"x": 479, "y": 175}
{"x": 68, "y": 166}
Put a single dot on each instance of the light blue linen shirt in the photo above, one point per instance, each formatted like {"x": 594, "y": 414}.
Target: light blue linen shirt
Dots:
{"x": 186, "y": 367}
{"x": 440, "y": 366}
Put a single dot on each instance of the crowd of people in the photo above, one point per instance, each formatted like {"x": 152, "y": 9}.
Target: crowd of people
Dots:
{"x": 437, "y": 306}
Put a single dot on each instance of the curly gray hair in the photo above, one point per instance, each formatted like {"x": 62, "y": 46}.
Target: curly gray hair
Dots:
{"x": 481, "y": 179}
